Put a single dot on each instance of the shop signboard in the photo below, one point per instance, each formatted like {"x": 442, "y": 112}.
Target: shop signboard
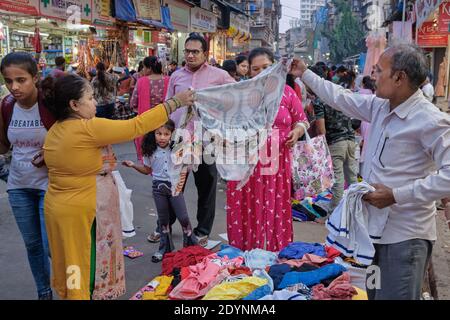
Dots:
{"x": 27, "y": 7}
{"x": 239, "y": 26}
{"x": 101, "y": 13}
{"x": 424, "y": 8}
{"x": 148, "y": 9}
{"x": 158, "y": 37}
{"x": 444, "y": 16}
{"x": 203, "y": 21}
{"x": 63, "y": 10}
{"x": 429, "y": 36}
{"x": 179, "y": 15}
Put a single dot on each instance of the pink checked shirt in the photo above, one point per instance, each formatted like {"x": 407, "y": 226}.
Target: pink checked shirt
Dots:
{"x": 205, "y": 77}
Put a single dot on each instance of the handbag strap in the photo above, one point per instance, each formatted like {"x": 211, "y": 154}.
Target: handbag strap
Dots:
{"x": 307, "y": 137}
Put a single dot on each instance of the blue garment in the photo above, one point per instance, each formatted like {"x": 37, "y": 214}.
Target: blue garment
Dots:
{"x": 160, "y": 162}
{"x": 230, "y": 251}
{"x": 299, "y": 216}
{"x": 259, "y": 293}
{"x": 311, "y": 278}
{"x": 296, "y": 250}
{"x": 277, "y": 272}
{"x": 28, "y": 209}
{"x": 259, "y": 259}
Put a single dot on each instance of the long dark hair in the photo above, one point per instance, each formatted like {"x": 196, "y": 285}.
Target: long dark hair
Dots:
{"x": 290, "y": 81}
{"x": 59, "y": 92}
{"x": 101, "y": 76}
{"x": 154, "y": 64}
{"x": 149, "y": 144}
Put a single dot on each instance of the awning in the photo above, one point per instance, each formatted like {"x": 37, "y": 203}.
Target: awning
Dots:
{"x": 164, "y": 24}
{"x": 125, "y": 10}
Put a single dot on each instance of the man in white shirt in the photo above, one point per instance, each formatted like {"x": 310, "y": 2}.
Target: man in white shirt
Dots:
{"x": 410, "y": 139}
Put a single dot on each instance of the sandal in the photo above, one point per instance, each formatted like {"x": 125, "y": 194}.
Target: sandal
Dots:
{"x": 155, "y": 237}
{"x": 157, "y": 257}
{"x": 202, "y": 241}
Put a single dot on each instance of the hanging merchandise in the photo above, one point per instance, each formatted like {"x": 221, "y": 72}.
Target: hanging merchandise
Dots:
{"x": 376, "y": 43}
{"x": 239, "y": 115}
{"x": 37, "y": 41}
{"x": 2, "y": 32}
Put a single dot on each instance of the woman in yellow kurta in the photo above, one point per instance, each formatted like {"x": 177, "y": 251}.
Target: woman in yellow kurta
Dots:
{"x": 73, "y": 155}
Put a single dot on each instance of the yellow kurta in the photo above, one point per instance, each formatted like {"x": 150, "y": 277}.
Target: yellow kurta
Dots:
{"x": 73, "y": 157}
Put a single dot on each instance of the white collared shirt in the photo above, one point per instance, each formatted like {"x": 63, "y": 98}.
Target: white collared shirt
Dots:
{"x": 405, "y": 148}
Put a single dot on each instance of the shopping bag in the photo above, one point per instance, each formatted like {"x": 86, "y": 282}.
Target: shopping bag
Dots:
{"x": 126, "y": 206}
{"x": 312, "y": 169}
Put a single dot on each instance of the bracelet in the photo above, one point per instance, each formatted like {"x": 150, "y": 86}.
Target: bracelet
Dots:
{"x": 176, "y": 105}
{"x": 178, "y": 102}
{"x": 302, "y": 124}
{"x": 167, "y": 107}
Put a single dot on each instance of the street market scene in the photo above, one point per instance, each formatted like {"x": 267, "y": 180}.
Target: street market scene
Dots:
{"x": 225, "y": 150}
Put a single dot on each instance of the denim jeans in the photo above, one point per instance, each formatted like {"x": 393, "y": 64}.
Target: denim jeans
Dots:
{"x": 28, "y": 209}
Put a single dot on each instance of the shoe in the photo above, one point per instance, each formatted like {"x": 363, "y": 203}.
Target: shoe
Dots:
{"x": 157, "y": 257}
{"x": 155, "y": 237}
{"x": 190, "y": 240}
{"x": 202, "y": 241}
{"x": 46, "y": 296}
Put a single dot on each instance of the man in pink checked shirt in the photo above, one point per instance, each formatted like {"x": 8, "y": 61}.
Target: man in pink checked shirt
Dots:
{"x": 198, "y": 74}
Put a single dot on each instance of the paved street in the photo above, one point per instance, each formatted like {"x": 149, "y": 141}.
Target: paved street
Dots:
{"x": 15, "y": 275}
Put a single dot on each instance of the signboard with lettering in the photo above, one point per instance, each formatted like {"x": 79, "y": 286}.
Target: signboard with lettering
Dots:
{"x": 28, "y": 7}
{"x": 101, "y": 13}
{"x": 240, "y": 22}
{"x": 148, "y": 9}
{"x": 444, "y": 16}
{"x": 179, "y": 15}
{"x": 424, "y": 8}
{"x": 429, "y": 36}
{"x": 64, "y": 10}
{"x": 203, "y": 21}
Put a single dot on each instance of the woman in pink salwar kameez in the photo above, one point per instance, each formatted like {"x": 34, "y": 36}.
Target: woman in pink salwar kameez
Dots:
{"x": 259, "y": 215}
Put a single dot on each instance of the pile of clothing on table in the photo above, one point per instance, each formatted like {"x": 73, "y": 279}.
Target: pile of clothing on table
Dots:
{"x": 312, "y": 208}
{"x": 300, "y": 271}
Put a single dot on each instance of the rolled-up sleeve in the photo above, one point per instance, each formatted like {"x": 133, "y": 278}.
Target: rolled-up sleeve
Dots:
{"x": 353, "y": 105}
{"x": 435, "y": 138}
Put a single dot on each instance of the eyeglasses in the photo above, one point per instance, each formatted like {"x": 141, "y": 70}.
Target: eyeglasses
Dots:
{"x": 194, "y": 52}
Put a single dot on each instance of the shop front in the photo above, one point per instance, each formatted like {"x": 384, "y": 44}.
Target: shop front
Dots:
{"x": 205, "y": 22}
{"x": 141, "y": 46}
{"x": 238, "y": 35}
{"x": 433, "y": 35}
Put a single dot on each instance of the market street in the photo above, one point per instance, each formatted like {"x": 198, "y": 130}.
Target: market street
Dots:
{"x": 16, "y": 274}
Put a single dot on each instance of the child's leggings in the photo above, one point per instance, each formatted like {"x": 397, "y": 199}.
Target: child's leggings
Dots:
{"x": 164, "y": 200}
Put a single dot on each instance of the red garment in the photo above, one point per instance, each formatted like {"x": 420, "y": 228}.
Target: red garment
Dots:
{"x": 260, "y": 214}
{"x": 183, "y": 258}
{"x": 234, "y": 271}
{"x": 332, "y": 254}
{"x": 339, "y": 289}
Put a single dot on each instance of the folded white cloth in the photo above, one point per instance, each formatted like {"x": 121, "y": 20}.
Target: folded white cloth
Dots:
{"x": 351, "y": 230}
